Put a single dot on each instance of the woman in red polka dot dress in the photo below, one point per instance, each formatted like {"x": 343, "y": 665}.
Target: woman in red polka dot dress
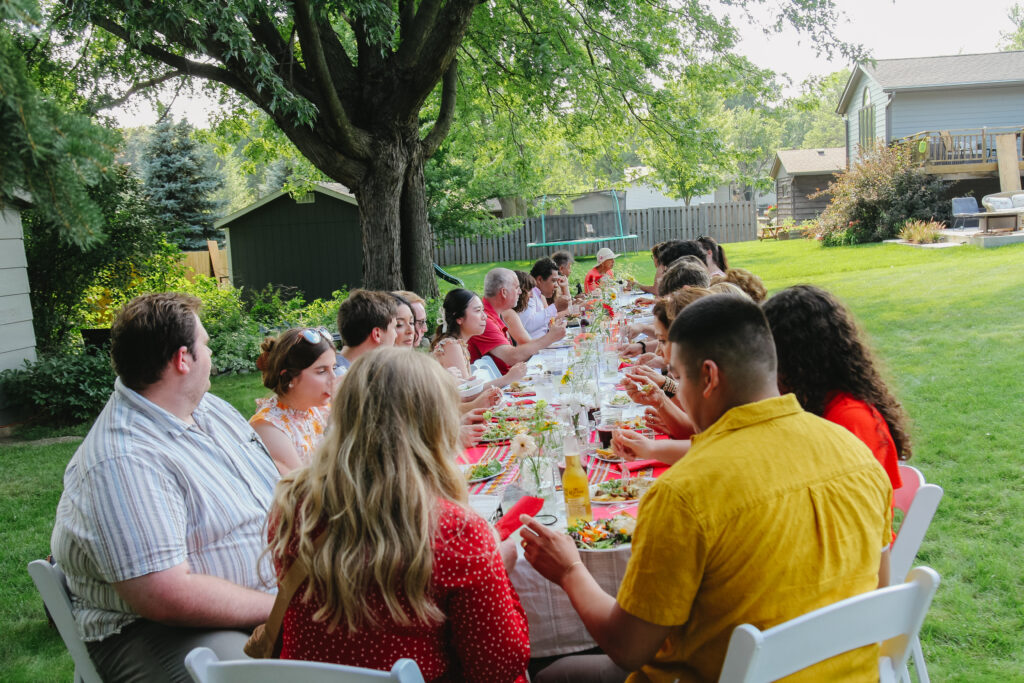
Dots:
{"x": 405, "y": 569}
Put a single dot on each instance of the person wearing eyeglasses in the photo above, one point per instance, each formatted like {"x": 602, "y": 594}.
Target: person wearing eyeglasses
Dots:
{"x": 298, "y": 366}
{"x": 419, "y": 313}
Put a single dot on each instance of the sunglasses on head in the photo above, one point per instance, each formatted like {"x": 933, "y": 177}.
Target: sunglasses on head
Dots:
{"x": 315, "y": 335}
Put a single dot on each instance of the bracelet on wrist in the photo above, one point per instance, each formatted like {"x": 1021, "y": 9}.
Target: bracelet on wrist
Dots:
{"x": 569, "y": 569}
{"x": 643, "y": 346}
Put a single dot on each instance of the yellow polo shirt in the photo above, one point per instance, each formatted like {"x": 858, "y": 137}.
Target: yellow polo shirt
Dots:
{"x": 773, "y": 513}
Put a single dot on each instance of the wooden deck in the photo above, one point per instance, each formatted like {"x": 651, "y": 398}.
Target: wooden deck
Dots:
{"x": 965, "y": 154}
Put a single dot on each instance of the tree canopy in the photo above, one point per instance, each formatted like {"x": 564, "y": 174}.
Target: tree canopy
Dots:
{"x": 366, "y": 90}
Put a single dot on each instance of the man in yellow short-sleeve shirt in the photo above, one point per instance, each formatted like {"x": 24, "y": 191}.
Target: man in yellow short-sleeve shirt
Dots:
{"x": 773, "y": 513}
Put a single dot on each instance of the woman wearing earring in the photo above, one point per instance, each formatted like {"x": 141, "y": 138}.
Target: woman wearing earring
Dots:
{"x": 298, "y": 366}
{"x": 463, "y": 317}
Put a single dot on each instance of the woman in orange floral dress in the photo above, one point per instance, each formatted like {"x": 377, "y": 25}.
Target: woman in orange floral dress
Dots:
{"x": 298, "y": 366}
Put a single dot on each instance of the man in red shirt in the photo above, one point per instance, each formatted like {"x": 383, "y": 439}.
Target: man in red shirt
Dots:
{"x": 605, "y": 262}
{"x": 501, "y": 293}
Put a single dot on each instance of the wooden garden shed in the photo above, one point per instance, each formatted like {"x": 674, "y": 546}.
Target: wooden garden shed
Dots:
{"x": 314, "y": 244}
{"x": 801, "y": 172}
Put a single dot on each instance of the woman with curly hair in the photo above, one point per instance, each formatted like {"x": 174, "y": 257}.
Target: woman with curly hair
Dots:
{"x": 824, "y": 360}
{"x": 398, "y": 563}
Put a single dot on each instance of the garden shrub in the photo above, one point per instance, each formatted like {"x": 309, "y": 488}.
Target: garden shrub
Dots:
{"x": 877, "y": 195}
{"x": 920, "y": 232}
{"x": 61, "y": 389}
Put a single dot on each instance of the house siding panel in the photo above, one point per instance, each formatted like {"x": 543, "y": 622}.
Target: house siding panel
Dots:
{"x": 952, "y": 109}
{"x": 878, "y": 101}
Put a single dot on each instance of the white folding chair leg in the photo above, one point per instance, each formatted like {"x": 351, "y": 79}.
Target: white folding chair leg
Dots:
{"x": 919, "y": 665}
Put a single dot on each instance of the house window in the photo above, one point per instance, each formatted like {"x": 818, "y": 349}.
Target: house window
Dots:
{"x": 866, "y": 122}
{"x": 784, "y": 187}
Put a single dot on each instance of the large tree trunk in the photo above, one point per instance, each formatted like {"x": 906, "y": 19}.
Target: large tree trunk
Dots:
{"x": 417, "y": 234}
{"x": 379, "y": 196}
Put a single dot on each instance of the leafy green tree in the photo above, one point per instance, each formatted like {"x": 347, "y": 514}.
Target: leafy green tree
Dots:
{"x": 1014, "y": 40}
{"x": 348, "y": 81}
{"x": 181, "y": 182}
{"x": 62, "y": 273}
{"x": 810, "y": 119}
{"x": 48, "y": 154}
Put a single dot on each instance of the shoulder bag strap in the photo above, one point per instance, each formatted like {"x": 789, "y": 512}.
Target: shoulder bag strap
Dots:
{"x": 293, "y": 578}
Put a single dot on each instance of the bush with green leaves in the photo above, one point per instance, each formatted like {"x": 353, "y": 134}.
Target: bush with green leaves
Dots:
{"x": 871, "y": 200}
{"x": 60, "y": 389}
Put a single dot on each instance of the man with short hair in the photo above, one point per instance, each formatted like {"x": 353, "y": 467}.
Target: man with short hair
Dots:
{"x": 161, "y": 524}
{"x": 773, "y": 513}
{"x": 539, "y": 312}
{"x": 366, "y": 321}
{"x": 501, "y": 293}
{"x": 686, "y": 270}
{"x": 564, "y": 260}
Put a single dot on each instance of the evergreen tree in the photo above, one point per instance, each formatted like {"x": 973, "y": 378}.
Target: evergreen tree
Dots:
{"x": 181, "y": 181}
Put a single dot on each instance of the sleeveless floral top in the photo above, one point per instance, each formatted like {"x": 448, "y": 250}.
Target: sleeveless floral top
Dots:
{"x": 442, "y": 346}
{"x": 304, "y": 427}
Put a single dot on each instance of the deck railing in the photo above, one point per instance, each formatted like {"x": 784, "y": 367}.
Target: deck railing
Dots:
{"x": 959, "y": 147}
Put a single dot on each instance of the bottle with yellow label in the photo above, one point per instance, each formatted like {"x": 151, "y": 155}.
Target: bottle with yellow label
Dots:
{"x": 575, "y": 485}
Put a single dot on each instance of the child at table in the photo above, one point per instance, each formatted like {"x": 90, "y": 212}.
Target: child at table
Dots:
{"x": 405, "y": 567}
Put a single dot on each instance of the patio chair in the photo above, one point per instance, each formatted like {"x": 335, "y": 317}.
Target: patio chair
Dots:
{"x": 53, "y": 587}
{"x": 918, "y": 501}
{"x": 964, "y": 210}
{"x": 890, "y": 616}
{"x": 204, "y": 666}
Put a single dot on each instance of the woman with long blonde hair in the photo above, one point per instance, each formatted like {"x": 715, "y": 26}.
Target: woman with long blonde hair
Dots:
{"x": 405, "y": 568}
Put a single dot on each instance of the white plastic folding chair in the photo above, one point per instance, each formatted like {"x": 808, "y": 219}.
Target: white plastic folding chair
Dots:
{"x": 891, "y": 616}
{"x": 53, "y": 588}
{"x": 918, "y": 501}
{"x": 204, "y": 666}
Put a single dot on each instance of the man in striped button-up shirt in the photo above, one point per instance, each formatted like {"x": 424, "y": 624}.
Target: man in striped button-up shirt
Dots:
{"x": 161, "y": 524}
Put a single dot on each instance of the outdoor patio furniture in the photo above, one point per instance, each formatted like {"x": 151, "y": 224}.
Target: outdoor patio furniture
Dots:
{"x": 918, "y": 501}
{"x": 891, "y": 616}
{"x": 52, "y": 586}
{"x": 204, "y": 666}
{"x": 965, "y": 211}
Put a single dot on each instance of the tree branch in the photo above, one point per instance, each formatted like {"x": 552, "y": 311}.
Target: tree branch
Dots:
{"x": 109, "y": 103}
{"x": 443, "y": 124}
{"x": 355, "y": 141}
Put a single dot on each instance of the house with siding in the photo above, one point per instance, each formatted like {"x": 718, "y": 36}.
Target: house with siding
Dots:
{"x": 962, "y": 114}
{"x": 313, "y": 244}
{"x": 799, "y": 173}
{"x": 17, "y": 338}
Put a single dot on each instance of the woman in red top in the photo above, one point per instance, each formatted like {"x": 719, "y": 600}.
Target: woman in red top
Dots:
{"x": 605, "y": 262}
{"x": 405, "y": 569}
{"x": 824, "y": 361}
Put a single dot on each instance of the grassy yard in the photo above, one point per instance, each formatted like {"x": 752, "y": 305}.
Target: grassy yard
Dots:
{"x": 948, "y": 324}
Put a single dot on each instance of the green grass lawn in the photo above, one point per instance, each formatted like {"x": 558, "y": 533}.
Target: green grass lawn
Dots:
{"x": 949, "y": 324}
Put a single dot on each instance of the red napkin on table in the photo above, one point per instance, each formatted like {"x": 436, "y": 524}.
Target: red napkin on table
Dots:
{"x": 637, "y": 465}
{"x": 527, "y": 505}
{"x": 521, "y": 394}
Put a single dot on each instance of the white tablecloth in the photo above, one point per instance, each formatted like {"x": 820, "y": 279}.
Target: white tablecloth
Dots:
{"x": 555, "y": 628}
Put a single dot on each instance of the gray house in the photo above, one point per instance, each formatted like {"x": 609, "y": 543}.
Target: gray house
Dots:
{"x": 314, "y": 244}
{"x": 956, "y": 110}
{"x": 17, "y": 338}
{"x": 801, "y": 172}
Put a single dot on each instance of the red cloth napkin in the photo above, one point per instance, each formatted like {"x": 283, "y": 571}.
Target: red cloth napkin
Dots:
{"x": 521, "y": 394}
{"x": 637, "y": 465}
{"x": 527, "y": 505}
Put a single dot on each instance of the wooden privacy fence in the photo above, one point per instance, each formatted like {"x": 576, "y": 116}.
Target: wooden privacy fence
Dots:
{"x": 730, "y": 222}
{"x": 212, "y": 262}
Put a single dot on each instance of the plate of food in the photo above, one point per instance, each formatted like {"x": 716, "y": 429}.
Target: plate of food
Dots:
{"x": 604, "y": 534}
{"x": 620, "y": 400}
{"x": 607, "y": 455}
{"x": 499, "y": 431}
{"x": 620, "y": 490}
{"x": 483, "y": 471}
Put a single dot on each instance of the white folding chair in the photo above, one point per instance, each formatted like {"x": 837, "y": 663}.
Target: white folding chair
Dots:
{"x": 484, "y": 368}
{"x": 891, "y": 616}
{"x": 918, "y": 501}
{"x": 53, "y": 587}
{"x": 204, "y": 666}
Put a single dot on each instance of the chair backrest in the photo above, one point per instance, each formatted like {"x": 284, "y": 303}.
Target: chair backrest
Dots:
{"x": 484, "y": 368}
{"x": 918, "y": 501}
{"x": 891, "y": 616}
{"x": 53, "y": 588}
{"x": 964, "y": 205}
{"x": 204, "y": 666}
